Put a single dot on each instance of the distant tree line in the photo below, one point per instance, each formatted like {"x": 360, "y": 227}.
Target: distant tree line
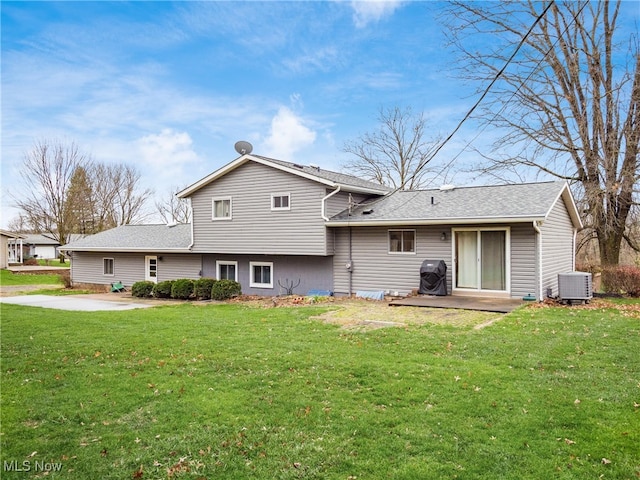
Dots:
{"x": 64, "y": 191}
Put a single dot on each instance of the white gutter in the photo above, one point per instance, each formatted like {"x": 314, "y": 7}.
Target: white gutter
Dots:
{"x": 539, "y": 232}
{"x": 435, "y": 221}
{"x": 327, "y": 197}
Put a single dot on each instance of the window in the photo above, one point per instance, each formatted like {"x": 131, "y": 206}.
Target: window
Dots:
{"x": 227, "y": 270}
{"x": 107, "y": 266}
{"x": 281, "y": 201}
{"x": 261, "y": 274}
{"x": 221, "y": 208}
{"x": 402, "y": 241}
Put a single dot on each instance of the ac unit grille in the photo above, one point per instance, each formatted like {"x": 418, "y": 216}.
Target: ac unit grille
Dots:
{"x": 575, "y": 286}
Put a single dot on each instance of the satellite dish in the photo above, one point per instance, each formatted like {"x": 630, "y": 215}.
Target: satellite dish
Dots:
{"x": 243, "y": 148}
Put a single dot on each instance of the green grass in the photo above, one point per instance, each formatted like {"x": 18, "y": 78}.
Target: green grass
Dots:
{"x": 10, "y": 279}
{"x": 54, "y": 263}
{"x": 230, "y": 392}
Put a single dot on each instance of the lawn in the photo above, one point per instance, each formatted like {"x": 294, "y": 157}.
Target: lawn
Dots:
{"x": 230, "y": 392}
{"x": 9, "y": 278}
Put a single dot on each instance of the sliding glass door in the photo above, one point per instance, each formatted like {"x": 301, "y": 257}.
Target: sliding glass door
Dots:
{"x": 481, "y": 259}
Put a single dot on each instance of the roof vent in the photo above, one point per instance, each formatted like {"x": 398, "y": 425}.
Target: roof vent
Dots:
{"x": 367, "y": 212}
{"x": 447, "y": 187}
{"x": 172, "y": 223}
{"x": 298, "y": 166}
{"x": 313, "y": 165}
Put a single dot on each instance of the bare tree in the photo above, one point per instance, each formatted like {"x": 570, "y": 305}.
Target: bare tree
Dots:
{"x": 46, "y": 174}
{"x": 174, "y": 209}
{"x": 117, "y": 197}
{"x": 65, "y": 192}
{"x": 569, "y": 103}
{"x": 396, "y": 154}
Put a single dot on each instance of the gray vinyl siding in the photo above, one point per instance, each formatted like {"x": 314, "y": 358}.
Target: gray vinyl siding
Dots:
{"x": 523, "y": 260}
{"x": 128, "y": 268}
{"x": 336, "y": 204}
{"x": 557, "y": 246}
{"x": 314, "y": 272}
{"x": 254, "y": 228}
{"x": 374, "y": 268}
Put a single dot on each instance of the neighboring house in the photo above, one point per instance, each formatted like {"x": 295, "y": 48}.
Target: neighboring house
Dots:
{"x": 270, "y": 224}
{"x": 10, "y": 248}
{"x": 40, "y": 246}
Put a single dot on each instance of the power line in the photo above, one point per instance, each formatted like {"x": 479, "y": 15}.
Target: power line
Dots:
{"x": 485, "y": 92}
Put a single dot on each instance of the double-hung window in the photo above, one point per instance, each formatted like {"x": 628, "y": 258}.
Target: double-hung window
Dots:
{"x": 402, "y": 241}
{"x": 281, "y": 201}
{"x": 221, "y": 208}
{"x": 227, "y": 270}
{"x": 107, "y": 266}
{"x": 261, "y": 274}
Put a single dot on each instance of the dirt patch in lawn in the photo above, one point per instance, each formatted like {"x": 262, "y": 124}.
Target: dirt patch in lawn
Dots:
{"x": 372, "y": 315}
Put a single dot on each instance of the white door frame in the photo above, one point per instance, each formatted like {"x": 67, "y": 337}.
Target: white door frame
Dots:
{"x": 479, "y": 289}
{"x": 151, "y": 268}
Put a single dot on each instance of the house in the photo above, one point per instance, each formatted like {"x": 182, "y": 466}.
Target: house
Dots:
{"x": 40, "y": 246}
{"x": 270, "y": 224}
{"x": 10, "y": 248}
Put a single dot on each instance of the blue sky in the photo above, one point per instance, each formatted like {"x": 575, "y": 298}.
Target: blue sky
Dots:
{"x": 170, "y": 86}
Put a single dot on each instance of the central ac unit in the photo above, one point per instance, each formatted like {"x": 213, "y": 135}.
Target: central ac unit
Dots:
{"x": 575, "y": 286}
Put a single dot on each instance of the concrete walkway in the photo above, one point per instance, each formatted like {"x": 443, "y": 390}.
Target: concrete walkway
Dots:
{"x": 72, "y": 302}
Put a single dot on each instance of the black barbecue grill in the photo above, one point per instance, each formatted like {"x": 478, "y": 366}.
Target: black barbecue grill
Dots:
{"x": 433, "y": 278}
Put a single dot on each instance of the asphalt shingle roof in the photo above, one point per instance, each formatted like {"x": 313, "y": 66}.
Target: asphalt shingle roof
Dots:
{"x": 152, "y": 238}
{"x": 498, "y": 201}
{"x": 341, "y": 178}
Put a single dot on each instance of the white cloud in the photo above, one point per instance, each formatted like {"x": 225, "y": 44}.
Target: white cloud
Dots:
{"x": 167, "y": 149}
{"x": 288, "y": 135}
{"x": 371, "y": 11}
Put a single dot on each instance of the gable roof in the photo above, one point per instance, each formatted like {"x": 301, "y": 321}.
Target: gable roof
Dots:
{"x": 7, "y": 233}
{"x": 136, "y": 238}
{"x": 329, "y": 178}
{"x": 487, "y": 204}
{"x": 39, "y": 239}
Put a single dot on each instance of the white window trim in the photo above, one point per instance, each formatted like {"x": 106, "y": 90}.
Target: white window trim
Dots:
{"x": 113, "y": 267}
{"x": 274, "y": 195}
{"x": 252, "y": 283}
{"x": 225, "y": 262}
{"x": 213, "y": 208}
{"x": 415, "y": 241}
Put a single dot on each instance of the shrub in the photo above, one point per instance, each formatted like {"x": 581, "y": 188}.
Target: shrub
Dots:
{"x": 142, "y": 289}
{"x": 203, "y": 288}
{"x": 182, "y": 289}
{"x": 65, "y": 278}
{"x": 163, "y": 289}
{"x": 31, "y": 262}
{"x": 621, "y": 279}
{"x": 225, "y": 289}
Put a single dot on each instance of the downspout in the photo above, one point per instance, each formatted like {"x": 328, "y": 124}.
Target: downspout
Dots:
{"x": 573, "y": 256}
{"x": 539, "y": 232}
{"x": 350, "y": 267}
{"x": 327, "y": 197}
{"x": 192, "y": 237}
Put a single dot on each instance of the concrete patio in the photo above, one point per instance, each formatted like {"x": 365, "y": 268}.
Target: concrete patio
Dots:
{"x": 485, "y": 304}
